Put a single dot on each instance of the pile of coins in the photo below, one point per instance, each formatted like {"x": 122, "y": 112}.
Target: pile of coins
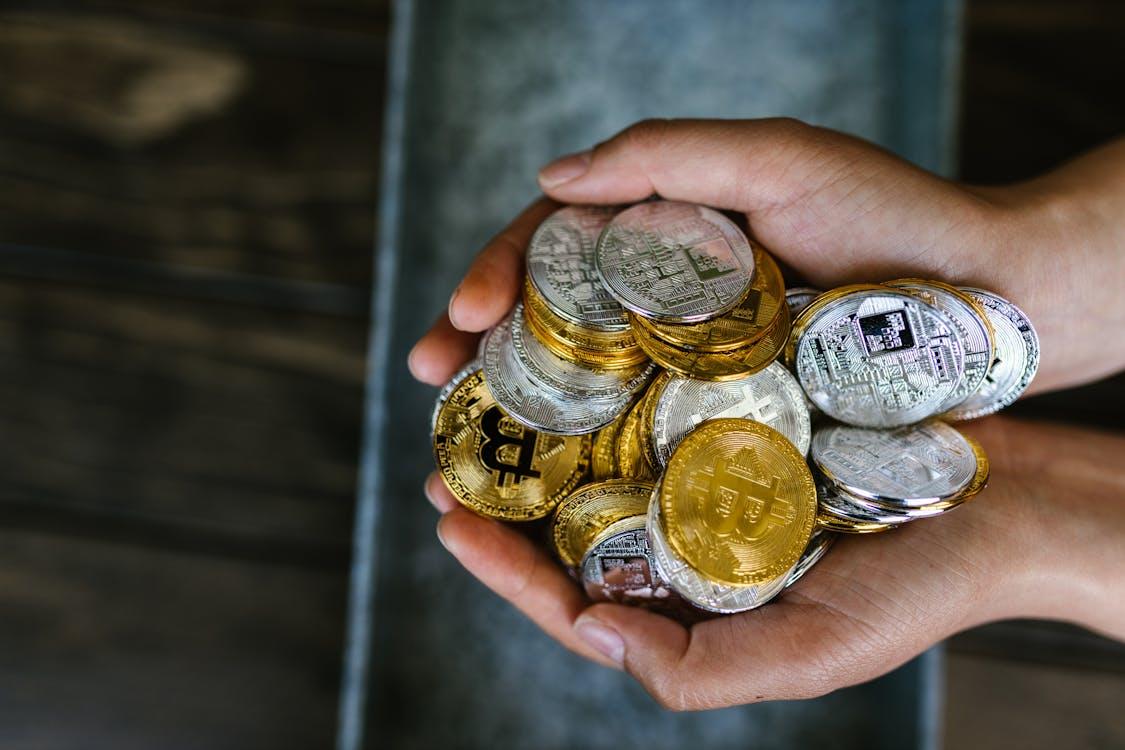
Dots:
{"x": 635, "y": 400}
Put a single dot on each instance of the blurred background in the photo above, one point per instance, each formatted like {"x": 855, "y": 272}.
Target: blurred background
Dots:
{"x": 188, "y": 196}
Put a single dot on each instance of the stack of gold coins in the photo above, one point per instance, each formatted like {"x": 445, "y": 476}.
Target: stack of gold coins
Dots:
{"x": 731, "y": 346}
{"x": 565, "y": 304}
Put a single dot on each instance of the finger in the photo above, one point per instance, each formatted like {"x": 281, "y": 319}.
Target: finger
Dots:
{"x": 438, "y": 494}
{"x": 441, "y": 352}
{"x": 743, "y": 165}
{"x": 794, "y": 648}
{"x": 492, "y": 283}
{"x": 509, "y": 564}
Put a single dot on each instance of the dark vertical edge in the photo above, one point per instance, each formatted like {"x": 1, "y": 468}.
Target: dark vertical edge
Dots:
{"x": 927, "y": 61}
{"x": 360, "y": 623}
{"x": 931, "y": 699}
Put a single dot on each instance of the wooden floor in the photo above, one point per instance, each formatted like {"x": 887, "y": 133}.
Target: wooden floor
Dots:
{"x": 186, "y": 220}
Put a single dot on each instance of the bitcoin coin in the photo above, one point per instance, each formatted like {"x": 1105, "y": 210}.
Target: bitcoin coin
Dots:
{"x": 877, "y": 357}
{"x": 619, "y": 567}
{"x": 771, "y": 397}
{"x": 798, "y": 298}
{"x": 738, "y": 502}
{"x": 916, "y": 465}
{"x": 631, "y": 462}
{"x": 648, "y": 418}
{"x": 497, "y": 467}
{"x": 590, "y": 509}
{"x": 718, "y": 366}
{"x": 969, "y": 318}
{"x": 842, "y": 508}
{"x": 567, "y": 378}
{"x": 814, "y": 552}
{"x": 698, "y": 590}
{"x": 473, "y": 366}
{"x": 530, "y": 402}
{"x": 1016, "y": 358}
{"x": 675, "y": 262}
{"x": 577, "y": 343}
{"x": 560, "y": 265}
{"x": 603, "y": 462}
{"x": 742, "y": 326}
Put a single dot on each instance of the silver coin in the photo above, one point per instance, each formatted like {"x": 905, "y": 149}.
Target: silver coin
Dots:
{"x": 891, "y": 512}
{"x": 975, "y": 333}
{"x": 798, "y": 298}
{"x": 448, "y": 388}
{"x": 879, "y": 358}
{"x": 910, "y": 466}
{"x": 1016, "y": 359}
{"x": 568, "y": 378}
{"x": 560, "y": 264}
{"x": 838, "y": 504}
{"x": 531, "y": 403}
{"x": 819, "y": 543}
{"x": 619, "y": 566}
{"x": 771, "y": 396}
{"x": 675, "y": 262}
{"x": 705, "y": 594}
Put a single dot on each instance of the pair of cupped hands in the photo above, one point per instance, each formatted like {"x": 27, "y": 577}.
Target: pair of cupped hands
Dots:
{"x": 1046, "y": 539}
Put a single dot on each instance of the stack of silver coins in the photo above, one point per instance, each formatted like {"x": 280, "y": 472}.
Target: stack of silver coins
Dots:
{"x": 871, "y": 376}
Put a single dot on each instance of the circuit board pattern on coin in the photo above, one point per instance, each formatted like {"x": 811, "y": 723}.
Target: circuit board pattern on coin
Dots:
{"x": 913, "y": 465}
{"x": 620, "y": 567}
{"x": 675, "y": 262}
{"x": 560, "y": 263}
{"x": 878, "y": 358}
{"x": 1016, "y": 357}
{"x": 771, "y": 397}
{"x": 587, "y": 512}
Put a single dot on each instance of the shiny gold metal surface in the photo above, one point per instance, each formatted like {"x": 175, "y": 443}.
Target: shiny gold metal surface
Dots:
{"x": 631, "y": 462}
{"x": 718, "y": 366}
{"x": 738, "y": 502}
{"x": 603, "y": 461}
{"x": 608, "y": 350}
{"x": 737, "y": 329}
{"x": 590, "y": 509}
{"x": 495, "y": 466}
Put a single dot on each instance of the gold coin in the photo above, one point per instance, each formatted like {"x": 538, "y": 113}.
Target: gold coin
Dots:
{"x": 815, "y": 307}
{"x": 739, "y": 328}
{"x": 590, "y": 509}
{"x": 829, "y": 522}
{"x": 611, "y": 342}
{"x": 609, "y": 355}
{"x": 630, "y": 456}
{"x": 648, "y": 418}
{"x": 603, "y": 462}
{"x": 719, "y": 366}
{"x": 495, "y": 466}
{"x": 738, "y": 502}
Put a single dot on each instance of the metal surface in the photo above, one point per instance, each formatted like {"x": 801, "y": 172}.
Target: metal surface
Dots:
{"x": 481, "y": 94}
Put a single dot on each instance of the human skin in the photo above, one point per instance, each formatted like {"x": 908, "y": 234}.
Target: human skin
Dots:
{"x": 1046, "y": 539}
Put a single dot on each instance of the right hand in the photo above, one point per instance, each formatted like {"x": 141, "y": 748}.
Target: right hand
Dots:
{"x": 840, "y": 210}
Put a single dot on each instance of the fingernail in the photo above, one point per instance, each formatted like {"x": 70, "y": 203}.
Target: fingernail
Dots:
{"x": 602, "y": 639}
{"x": 410, "y": 365}
{"x": 565, "y": 169}
{"x": 452, "y": 299}
{"x": 430, "y": 497}
{"x": 442, "y": 539}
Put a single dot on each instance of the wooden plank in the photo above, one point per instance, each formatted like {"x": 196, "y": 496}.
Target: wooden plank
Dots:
{"x": 1000, "y": 705}
{"x": 121, "y": 138}
{"x": 118, "y": 646}
{"x": 221, "y": 419}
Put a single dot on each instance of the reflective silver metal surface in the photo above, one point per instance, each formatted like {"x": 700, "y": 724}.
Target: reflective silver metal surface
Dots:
{"x": 619, "y": 567}
{"x": 800, "y": 297}
{"x": 675, "y": 262}
{"x": 530, "y": 402}
{"x": 1015, "y": 362}
{"x": 879, "y": 358}
{"x": 560, "y": 264}
{"x": 771, "y": 397}
{"x": 910, "y": 466}
{"x": 819, "y": 543}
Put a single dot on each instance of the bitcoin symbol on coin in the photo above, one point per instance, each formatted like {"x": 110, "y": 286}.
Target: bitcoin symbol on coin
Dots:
{"x": 736, "y": 496}
{"x": 495, "y": 439}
